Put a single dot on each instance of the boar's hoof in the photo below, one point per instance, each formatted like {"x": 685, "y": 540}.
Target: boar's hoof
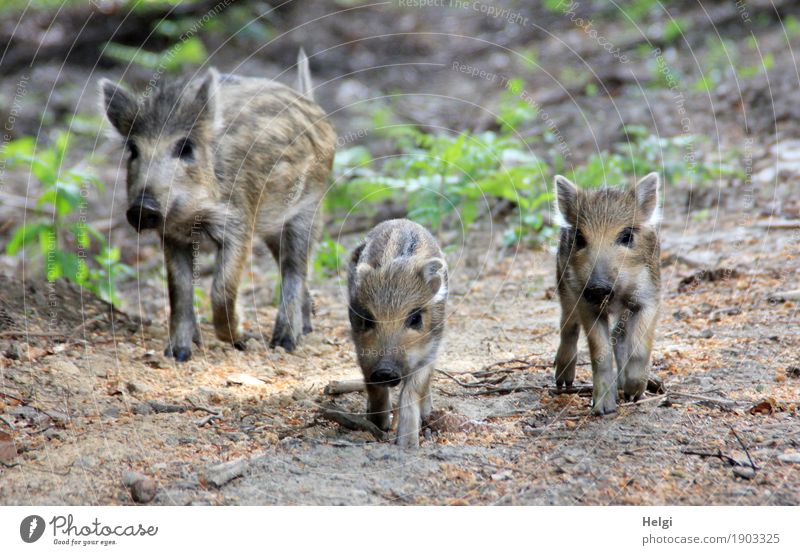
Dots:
{"x": 180, "y": 354}
{"x": 287, "y": 342}
{"x": 308, "y": 328}
{"x": 564, "y": 384}
{"x": 382, "y": 420}
{"x": 604, "y": 407}
{"x": 407, "y": 441}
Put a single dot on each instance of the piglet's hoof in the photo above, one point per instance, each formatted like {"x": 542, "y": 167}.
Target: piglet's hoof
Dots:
{"x": 180, "y": 354}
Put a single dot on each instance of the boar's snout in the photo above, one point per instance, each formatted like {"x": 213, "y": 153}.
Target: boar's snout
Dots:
{"x": 386, "y": 373}
{"x": 598, "y": 291}
{"x": 144, "y": 213}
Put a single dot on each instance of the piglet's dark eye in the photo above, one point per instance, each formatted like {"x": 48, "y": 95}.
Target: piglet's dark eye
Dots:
{"x": 184, "y": 149}
{"x": 133, "y": 149}
{"x": 414, "y": 319}
{"x": 625, "y": 237}
{"x": 580, "y": 240}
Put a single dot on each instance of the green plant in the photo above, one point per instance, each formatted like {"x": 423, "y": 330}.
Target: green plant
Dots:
{"x": 674, "y": 29}
{"x": 448, "y": 181}
{"x": 183, "y": 54}
{"x": 444, "y": 180}
{"x": 329, "y": 258}
{"x": 64, "y": 239}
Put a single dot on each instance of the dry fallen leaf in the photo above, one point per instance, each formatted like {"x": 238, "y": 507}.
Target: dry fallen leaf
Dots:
{"x": 8, "y": 451}
{"x": 767, "y": 406}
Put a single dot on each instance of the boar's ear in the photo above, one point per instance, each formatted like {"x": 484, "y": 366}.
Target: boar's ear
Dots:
{"x": 432, "y": 273}
{"x": 119, "y": 105}
{"x": 646, "y": 191}
{"x": 566, "y": 201}
{"x": 204, "y": 103}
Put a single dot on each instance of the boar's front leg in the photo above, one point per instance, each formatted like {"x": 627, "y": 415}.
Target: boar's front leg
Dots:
{"x": 604, "y": 382}
{"x": 293, "y": 249}
{"x": 182, "y": 323}
{"x": 379, "y": 406}
{"x": 633, "y": 343}
{"x": 414, "y": 397}
{"x": 231, "y": 258}
{"x": 567, "y": 354}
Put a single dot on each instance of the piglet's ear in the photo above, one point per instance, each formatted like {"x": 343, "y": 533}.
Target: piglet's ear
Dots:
{"x": 566, "y": 200}
{"x": 363, "y": 268}
{"x": 647, "y": 193}
{"x": 433, "y": 274}
{"x": 204, "y": 103}
{"x": 119, "y": 105}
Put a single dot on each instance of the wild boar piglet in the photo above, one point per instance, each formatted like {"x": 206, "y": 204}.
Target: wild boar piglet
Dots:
{"x": 397, "y": 286}
{"x": 223, "y": 159}
{"x": 609, "y": 284}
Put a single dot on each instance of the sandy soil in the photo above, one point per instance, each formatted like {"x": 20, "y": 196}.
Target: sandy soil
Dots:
{"x": 96, "y": 398}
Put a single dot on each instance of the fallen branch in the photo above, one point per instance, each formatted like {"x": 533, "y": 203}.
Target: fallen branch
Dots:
{"x": 14, "y": 397}
{"x": 745, "y": 470}
{"x": 730, "y": 461}
{"x": 340, "y": 387}
{"x": 725, "y": 403}
{"x": 208, "y": 419}
{"x": 744, "y": 448}
{"x": 783, "y": 296}
{"x": 351, "y": 421}
{"x": 23, "y": 333}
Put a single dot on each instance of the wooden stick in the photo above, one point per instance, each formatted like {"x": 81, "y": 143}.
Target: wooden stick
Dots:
{"x": 702, "y": 398}
{"x": 22, "y": 333}
{"x": 744, "y": 448}
{"x": 718, "y": 455}
{"x": 10, "y": 396}
{"x": 340, "y": 387}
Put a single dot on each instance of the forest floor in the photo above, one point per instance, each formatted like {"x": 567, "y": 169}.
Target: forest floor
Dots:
{"x": 88, "y": 404}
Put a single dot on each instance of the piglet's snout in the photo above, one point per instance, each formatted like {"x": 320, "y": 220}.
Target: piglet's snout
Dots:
{"x": 597, "y": 292}
{"x": 385, "y": 374}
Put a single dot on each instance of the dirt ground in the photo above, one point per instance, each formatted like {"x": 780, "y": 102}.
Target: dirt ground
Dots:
{"x": 89, "y": 403}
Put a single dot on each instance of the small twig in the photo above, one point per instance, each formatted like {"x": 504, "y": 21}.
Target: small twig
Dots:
{"x": 730, "y": 461}
{"x": 198, "y": 406}
{"x": 702, "y": 398}
{"x": 648, "y": 399}
{"x": 91, "y": 320}
{"x": 208, "y": 419}
{"x": 10, "y": 396}
{"x": 23, "y": 333}
{"x": 351, "y": 421}
{"x": 6, "y": 421}
{"x": 744, "y": 448}
{"x": 462, "y": 383}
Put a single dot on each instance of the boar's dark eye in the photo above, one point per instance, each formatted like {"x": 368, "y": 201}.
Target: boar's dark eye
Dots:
{"x": 133, "y": 149}
{"x": 414, "y": 319}
{"x": 361, "y": 319}
{"x": 625, "y": 237}
{"x": 184, "y": 149}
{"x": 580, "y": 240}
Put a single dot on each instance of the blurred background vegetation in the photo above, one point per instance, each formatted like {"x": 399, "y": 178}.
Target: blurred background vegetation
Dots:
{"x": 453, "y": 116}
